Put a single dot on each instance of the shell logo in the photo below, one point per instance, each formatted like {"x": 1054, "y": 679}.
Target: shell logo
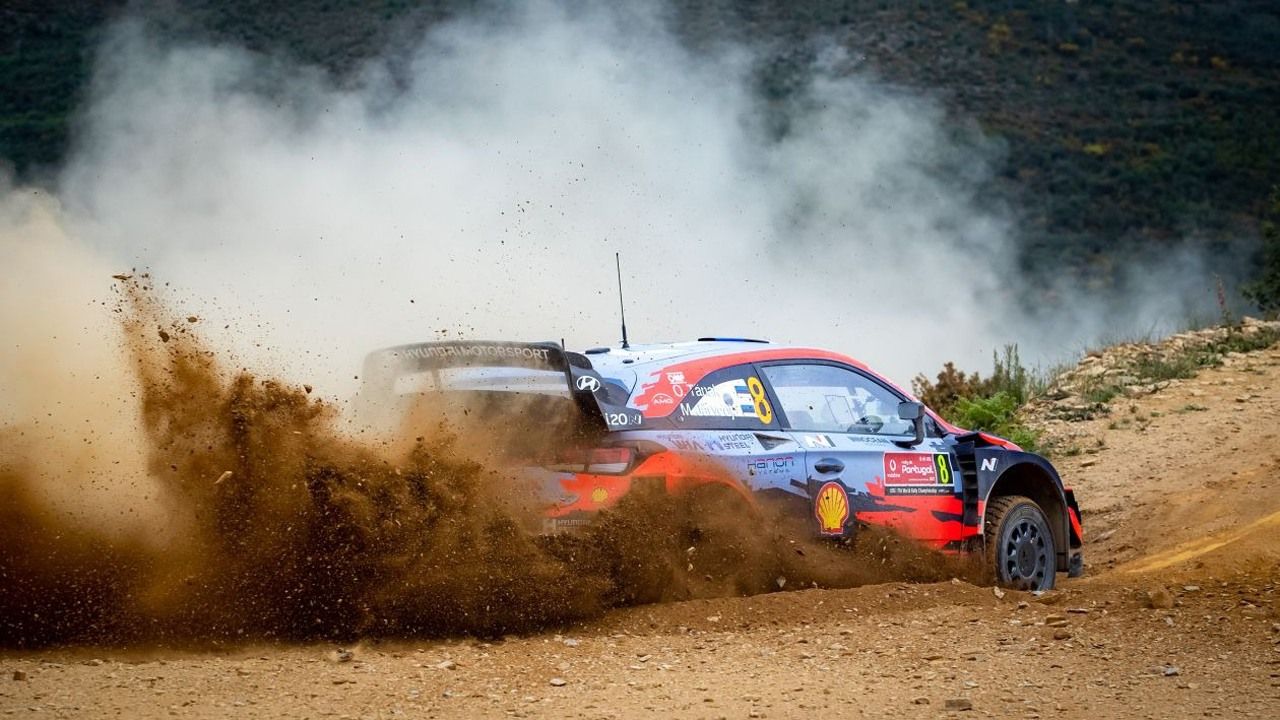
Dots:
{"x": 599, "y": 495}
{"x": 831, "y": 508}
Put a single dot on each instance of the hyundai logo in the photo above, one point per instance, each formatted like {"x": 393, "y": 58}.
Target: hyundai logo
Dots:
{"x": 586, "y": 382}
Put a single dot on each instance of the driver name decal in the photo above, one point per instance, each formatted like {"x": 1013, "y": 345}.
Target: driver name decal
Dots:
{"x": 909, "y": 473}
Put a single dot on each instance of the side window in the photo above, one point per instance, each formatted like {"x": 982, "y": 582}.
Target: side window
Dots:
{"x": 726, "y": 399}
{"x": 826, "y": 398}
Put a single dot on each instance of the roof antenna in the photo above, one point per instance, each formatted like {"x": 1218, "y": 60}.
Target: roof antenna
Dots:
{"x": 622, "y": 309}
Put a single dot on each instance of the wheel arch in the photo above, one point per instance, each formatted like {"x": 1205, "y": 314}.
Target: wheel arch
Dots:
{"x": 679, "y": 473}
{"x": 1033, "y": 477}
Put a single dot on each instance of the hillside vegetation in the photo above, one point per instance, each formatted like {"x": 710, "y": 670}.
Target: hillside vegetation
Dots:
{"x": 1127, "y": 126}
{"x": 1038, "y": 408}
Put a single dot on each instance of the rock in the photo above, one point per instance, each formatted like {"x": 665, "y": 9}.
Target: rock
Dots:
{"x": 19, "y": 675}
{"x": 922, "y": 700}
{"x": 958, "y": 704}
{"x": 223, "y": 477}
{"x": 1089, "y": 463}
{"x": 557, "y": 682}
{"x": 998, "y": 593}
{"x": 1159, "y": 599}
{"x": 931, "y": 658}
{"x": 1104, "y": 536}
{"x": 571, "y": 642}
{"x": 1078, "y": 610}
{"x": 1191, "y": 588}
{"x": 1055, "y": 620}
{"x": 1061, "y": 634}
{"x": 342, "y": 655}
{"x": 446, "y": 665}
{"x": 1170, "y": 670}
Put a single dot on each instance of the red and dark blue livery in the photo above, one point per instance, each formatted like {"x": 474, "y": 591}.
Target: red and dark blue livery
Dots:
{"x": 811, "y": 428}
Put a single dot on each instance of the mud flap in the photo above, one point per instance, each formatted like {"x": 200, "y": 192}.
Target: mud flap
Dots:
{"x": 1075, "y": 566}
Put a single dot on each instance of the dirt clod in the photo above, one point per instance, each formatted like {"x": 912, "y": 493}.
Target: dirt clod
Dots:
{"x": 1159, "y": 599}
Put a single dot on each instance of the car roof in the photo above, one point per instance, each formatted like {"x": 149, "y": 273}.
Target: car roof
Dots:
{"x": 655, "y": 356}
{"x": 707, "y": 355}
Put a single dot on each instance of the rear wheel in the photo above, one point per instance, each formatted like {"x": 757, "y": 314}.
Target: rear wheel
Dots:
{"x": 1020, "y": 544}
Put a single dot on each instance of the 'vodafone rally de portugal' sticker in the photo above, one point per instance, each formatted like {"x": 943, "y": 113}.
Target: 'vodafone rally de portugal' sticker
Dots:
{"x": 917, "y": 474}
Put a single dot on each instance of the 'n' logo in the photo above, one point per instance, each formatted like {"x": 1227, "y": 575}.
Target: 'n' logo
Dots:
{"x": 989, "y": 465}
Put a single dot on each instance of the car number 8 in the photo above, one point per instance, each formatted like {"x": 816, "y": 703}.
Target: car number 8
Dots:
{"x": 763, "y": 411}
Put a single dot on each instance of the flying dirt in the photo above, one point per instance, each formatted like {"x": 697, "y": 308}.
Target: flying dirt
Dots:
{"x": 1176, "y": 616}
{"x": 156, "y": 494}
{"x": 267, "y": 520}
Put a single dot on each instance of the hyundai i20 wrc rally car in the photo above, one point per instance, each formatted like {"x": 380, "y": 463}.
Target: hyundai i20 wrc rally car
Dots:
{"x": 812, "y": 427}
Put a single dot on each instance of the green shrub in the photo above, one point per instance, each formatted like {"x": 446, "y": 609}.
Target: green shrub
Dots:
{"x": 996, "y": 414}
{"x": 1008, "y": 376}
{"x": 1101, "y": 393}
{"x": 1238, "y": 341}
{"x": 1153, "y": 367}
{"x": 951, "y": 385}
{"x": 988, "y": 404}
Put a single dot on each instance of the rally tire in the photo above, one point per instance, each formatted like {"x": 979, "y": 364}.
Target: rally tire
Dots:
{"x": 1019, "y": 544}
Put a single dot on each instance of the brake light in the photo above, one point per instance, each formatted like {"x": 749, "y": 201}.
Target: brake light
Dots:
{"x": 609, "y": 461}
{"x": 595, "y": 461}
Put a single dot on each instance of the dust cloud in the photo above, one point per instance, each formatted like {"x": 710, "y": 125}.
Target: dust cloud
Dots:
{"x": 481, "y": 187}
{"x": 168, "y": 498}
{"x": 152, "y": 491}
{"x": 151, "y": 487}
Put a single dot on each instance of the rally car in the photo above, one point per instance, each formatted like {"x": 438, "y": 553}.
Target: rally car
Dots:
{"x": 809, "y": 426}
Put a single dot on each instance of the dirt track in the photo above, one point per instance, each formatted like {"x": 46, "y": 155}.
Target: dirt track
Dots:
{"x": 1176, "y": 500}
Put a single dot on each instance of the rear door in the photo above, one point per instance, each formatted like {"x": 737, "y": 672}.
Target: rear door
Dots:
{"x": 857, "y": 454}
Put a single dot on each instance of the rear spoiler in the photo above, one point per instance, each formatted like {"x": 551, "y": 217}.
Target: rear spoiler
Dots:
{"x": 584, "y": 385}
